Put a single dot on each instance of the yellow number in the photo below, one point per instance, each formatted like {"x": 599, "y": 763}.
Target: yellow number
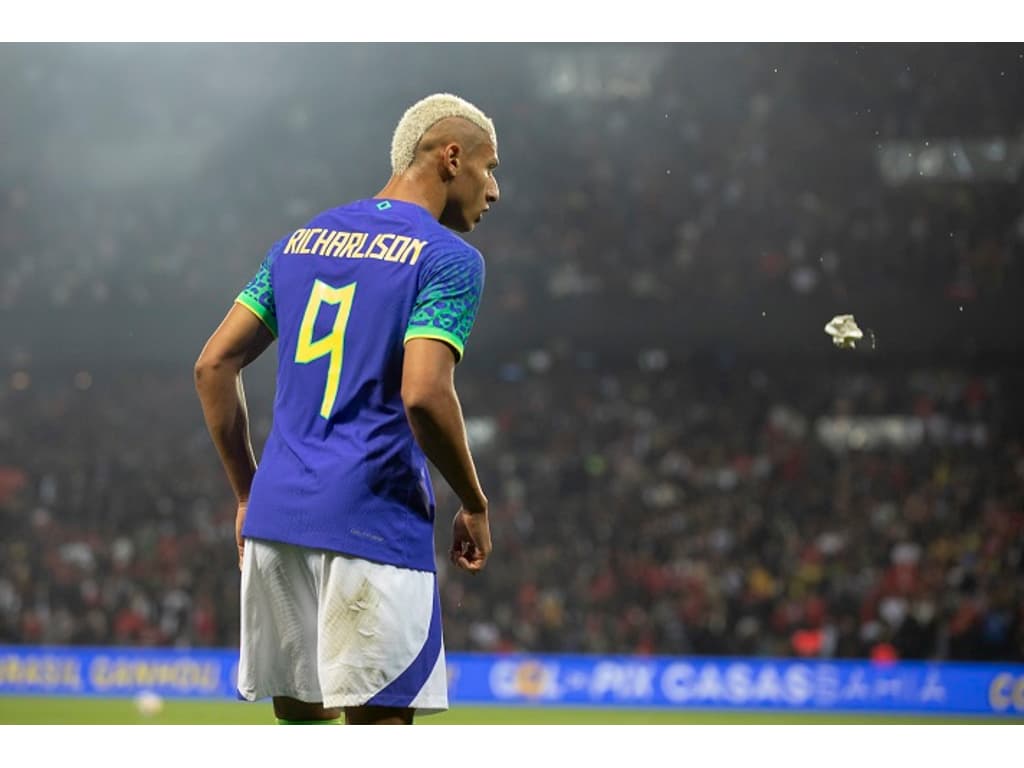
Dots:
{"x": 332, "y": 344}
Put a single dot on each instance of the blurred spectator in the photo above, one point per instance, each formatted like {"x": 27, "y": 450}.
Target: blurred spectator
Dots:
{"x": 637, "y": 511}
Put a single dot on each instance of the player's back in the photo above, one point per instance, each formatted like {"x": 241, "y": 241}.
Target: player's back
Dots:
{"x": 341, "y": 469}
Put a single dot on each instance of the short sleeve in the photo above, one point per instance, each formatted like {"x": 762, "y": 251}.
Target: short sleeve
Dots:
{"x": 258, "y": 295}
{"x": 448, "y": 300}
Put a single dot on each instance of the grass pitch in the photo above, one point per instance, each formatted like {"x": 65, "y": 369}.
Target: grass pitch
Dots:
{"x": 54, "y": 710}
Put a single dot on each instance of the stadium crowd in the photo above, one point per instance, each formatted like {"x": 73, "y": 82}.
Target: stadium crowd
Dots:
{"x": 656, "y": 510}
{"x": 677, "y": 460}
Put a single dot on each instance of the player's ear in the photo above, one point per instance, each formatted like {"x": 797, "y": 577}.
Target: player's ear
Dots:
{"x": 451, "y": 161}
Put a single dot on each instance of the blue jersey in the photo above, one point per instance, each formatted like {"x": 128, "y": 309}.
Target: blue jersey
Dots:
{"x": 341, "y": 469}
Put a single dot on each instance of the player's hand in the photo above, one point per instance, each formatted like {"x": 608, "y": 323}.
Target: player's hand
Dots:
{"x": 471, "y": 540}
{"x": 239, "y": 522}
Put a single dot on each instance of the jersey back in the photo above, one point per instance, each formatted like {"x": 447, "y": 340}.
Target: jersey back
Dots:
{"x": 341, "y": 469}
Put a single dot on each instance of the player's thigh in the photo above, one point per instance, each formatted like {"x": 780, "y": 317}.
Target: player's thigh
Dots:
{"x": 380, "y": 641}
{"x": 370, "y": 613}
{"x": 379, "y": 715}
{"x": 293, "y": 710}
{"x": 279, "y": 622}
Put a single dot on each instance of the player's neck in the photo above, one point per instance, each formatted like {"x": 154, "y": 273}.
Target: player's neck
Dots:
{"x": 412, "y": 190}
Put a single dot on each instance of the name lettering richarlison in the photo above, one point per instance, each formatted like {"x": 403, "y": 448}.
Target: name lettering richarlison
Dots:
{"x": 398, "y": 249}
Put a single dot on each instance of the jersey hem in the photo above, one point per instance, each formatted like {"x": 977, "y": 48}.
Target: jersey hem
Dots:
{"x": 412, "y": 564}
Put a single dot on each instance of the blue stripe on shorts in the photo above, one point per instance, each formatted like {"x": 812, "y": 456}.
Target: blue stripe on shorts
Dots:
{"x": 401, "y": 691}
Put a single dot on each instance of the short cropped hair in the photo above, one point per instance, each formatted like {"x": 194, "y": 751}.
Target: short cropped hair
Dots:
{"x": 422, "y": 116}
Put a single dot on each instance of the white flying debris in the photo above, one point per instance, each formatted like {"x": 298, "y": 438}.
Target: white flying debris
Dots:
{"x": 844, "y": 331}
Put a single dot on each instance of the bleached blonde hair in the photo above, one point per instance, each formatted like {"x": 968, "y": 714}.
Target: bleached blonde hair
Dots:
{"x": 423, "y": 115}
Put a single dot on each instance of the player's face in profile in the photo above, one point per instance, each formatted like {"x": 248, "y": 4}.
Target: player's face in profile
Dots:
{"x": 474, "y": 189}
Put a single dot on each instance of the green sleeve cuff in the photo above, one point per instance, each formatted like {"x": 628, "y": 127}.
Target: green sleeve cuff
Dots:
{"x": 260, "y": 311}
{"x": 440, "y": 335}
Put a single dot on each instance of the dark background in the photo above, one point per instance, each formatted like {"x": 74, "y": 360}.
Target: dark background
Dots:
{"x": 648, "y": 385}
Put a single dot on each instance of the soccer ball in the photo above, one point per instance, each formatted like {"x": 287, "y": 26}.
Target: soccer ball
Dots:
{"x": 149, "y": 703}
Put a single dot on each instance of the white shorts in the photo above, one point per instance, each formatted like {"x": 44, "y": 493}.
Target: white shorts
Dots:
{"x": 322, "y": 626}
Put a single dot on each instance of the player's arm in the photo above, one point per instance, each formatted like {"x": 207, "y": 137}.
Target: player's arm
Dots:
{"x": 440, "y": 323}
{"x": 435, "y": 416}
{"x": 239, "y": 340}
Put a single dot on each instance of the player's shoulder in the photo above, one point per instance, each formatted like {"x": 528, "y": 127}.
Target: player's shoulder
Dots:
{"x": 337, "y": 215}
{"x": 446, "y": 244}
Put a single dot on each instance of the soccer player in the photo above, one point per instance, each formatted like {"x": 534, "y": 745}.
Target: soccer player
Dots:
{"x": 371, "y": 304}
